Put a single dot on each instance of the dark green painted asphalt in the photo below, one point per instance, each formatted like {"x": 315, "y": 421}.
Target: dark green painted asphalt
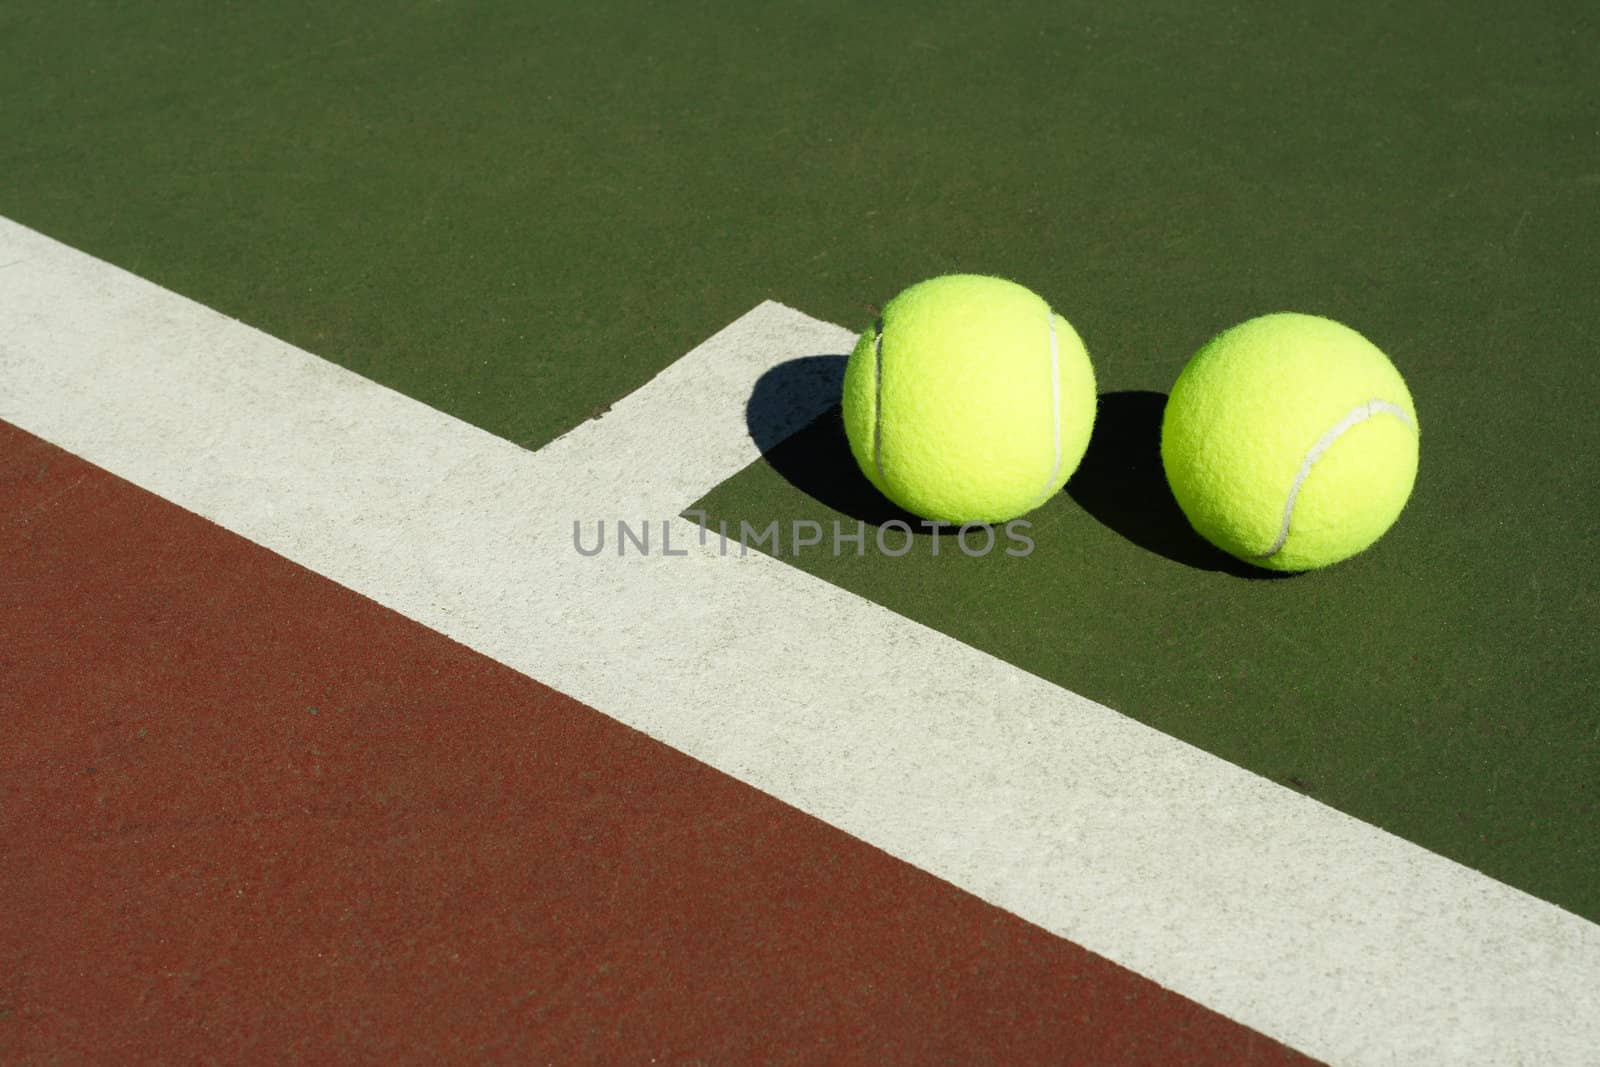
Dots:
{"x": 519, "y": 212}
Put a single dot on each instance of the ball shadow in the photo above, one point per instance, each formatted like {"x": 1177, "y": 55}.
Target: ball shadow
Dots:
{"x": 793, "y": 416}
{"x": 1122, "y": 484}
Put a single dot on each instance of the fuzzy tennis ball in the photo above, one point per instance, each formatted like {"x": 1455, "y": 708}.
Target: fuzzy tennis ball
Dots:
{"x": 969, "y": 400}
{"x": 1290, "y": 442}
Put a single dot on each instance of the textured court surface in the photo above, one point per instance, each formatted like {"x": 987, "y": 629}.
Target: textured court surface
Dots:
{"x": 321, "y": 335}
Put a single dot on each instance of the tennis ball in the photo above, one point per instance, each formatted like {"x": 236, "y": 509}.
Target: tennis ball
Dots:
{"x": 1290, "y": 442}
{"x": 969, "y": 400}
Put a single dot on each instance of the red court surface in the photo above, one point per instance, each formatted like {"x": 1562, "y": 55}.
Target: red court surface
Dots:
{"x": 252, "y": 815}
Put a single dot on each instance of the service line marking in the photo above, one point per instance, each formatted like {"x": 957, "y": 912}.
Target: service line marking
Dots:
{"x": 1319, "y": 930}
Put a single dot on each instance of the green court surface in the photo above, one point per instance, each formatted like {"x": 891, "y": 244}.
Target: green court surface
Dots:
{"x": 520, "y": 213}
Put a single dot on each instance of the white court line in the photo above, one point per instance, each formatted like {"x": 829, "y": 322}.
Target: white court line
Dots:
{"x": 1319, "y": 930}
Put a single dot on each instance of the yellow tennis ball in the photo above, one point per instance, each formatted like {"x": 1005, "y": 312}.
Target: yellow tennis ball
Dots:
{"x": 969, "y": 400}
{"x": 1290, "y": 441}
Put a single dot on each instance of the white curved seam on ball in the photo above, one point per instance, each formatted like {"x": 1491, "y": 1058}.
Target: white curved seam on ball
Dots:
{"x": 877, "y": 400}
{"x": 1055, "y": 410}
{"x": 1359, "y": 414}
